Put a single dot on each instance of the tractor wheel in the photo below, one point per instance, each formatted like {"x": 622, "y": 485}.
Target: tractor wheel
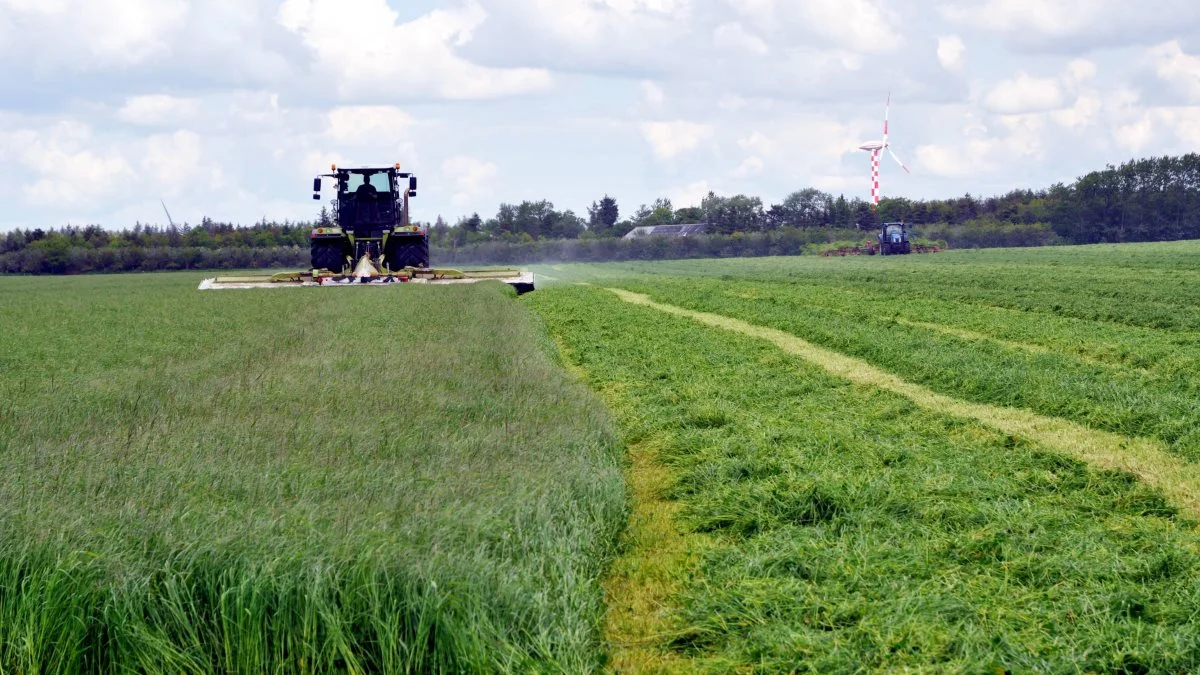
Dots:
{"x": 410, "y": 252}
{"x": 327, "y": 255}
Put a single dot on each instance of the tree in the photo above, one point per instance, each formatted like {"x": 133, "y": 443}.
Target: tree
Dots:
{"x": 439, "y": 233}
{"x": 804, "y": 208}
{"x": 505, "y": 222}
{"x": 865, "y": 217}
{"x": 841, "y": 214}
{"x": 659, "y": 213}
{"x": 726, "y": 215}
{"x": 603, "y": 216}
{"x": 566, "y": 225}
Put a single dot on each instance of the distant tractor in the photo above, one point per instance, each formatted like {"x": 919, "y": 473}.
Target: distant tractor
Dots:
{"x": 893, "y": 239}
{"x": 370, "y": 222}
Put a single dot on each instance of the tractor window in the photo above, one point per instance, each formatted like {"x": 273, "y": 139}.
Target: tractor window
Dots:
{"x": 379, "y": 181}
{"x": 894, "y": 230}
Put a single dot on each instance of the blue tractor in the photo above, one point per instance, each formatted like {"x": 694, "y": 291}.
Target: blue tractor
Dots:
{"x": 893, "y": 239}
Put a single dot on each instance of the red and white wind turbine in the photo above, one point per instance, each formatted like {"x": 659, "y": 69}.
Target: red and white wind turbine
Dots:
{"x": 876, "y": 148}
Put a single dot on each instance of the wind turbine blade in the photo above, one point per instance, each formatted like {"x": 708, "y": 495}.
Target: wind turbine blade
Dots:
{"x": 886, "y": 110}
{"x": 898, "y": 160}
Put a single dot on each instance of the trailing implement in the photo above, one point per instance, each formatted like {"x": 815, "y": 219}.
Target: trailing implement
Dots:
{"x": 371, "y": 241}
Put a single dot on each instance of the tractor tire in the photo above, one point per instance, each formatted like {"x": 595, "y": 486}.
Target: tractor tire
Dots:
{"x": 408, "y": 252}
{"x": 327, "y": 255}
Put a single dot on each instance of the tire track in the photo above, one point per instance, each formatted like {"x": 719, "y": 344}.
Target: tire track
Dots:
{"x": 1145, "y": 458}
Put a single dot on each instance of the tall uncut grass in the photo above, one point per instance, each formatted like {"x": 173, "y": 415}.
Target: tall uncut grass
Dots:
{"x": 295, "y": 481}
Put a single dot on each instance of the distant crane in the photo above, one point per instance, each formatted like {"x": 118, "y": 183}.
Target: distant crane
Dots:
{"x": 164, "y": 205}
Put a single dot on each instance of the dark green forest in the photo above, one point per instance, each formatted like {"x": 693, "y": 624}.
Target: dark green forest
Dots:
{"x": 1153, "y": 199}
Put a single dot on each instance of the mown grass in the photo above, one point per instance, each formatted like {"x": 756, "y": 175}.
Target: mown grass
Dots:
{"x": 1096, "y": 335}
{"x": 1121, "y": 400}
{"x": 1138, "y": 285}
{"x": 295, "y": 481}
{"x": 848, "y": 530}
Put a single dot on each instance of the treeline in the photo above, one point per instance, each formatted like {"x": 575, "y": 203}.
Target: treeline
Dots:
{"x": 1142, "y": 200}
{"x": 1155, "y": 199}
{"x": 211, "y": 245}
{"x": 780, "y": 241}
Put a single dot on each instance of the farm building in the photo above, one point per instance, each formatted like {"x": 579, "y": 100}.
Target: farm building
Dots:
{"x": 666, "y": 230}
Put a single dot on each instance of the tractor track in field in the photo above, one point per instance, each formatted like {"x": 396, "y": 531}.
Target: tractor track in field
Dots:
{"x": 1147, "y": 459}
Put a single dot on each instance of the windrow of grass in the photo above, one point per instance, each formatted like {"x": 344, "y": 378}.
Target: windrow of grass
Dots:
{"x": 296, "y": 481}
{"x": 1120, "y": 400}
{"x": 846, "y": 529}
{"x": 1167, "y": 355}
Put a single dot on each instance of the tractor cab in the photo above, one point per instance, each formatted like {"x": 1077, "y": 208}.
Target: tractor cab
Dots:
{"x": 371, "y": 199}
{"x": 370, "y": 184}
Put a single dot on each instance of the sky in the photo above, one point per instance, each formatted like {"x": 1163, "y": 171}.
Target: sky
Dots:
{"x": 228, "y": 108}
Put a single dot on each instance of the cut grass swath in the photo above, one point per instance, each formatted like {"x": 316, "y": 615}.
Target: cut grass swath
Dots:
{"x": 850, "y": 529}
{"x": 1119, "y": 400}
{"x": 1147, "y": 459}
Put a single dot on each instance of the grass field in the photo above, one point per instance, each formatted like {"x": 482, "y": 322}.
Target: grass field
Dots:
{"x": 828, "y": 519}
{"x": 976, "y": 461}
{"x": 303, "y": 480}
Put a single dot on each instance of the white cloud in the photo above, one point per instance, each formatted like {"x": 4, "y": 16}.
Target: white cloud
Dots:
{"x": 950, "y": 51}
{"x": 1135, "y": 135}
{"x": 734, "y": 37}
{"x": 372, "y": 124}
{"x": 750, "y": 167}
{"x": 691, "y": 194}
{"x": 1042, "y": 16}
{"x": 1081, "y": 115}
{"x": 858, "y": 25}
{"x": 225, "y": 106}
{"x": 671, "y": 139}
{"x": 63, "y": 166}
{"x": 469, "y": 176}
{"x": 92, "y": 34}
{"x": 653, "y": 94}
{"x": 1177, "y": 67}
{"x": 1175, "y": 129}
{"x": 648, "y": 37}
{"x": 1074, "y": 26}
{"x": 956, "y": 161}
{"x": 361, "y": 46}
{"x": 1024, "y": 94}
{"x": 175, "y": 161}
{"x": 158, "y": 110}
{"x": 1079, "y": 72}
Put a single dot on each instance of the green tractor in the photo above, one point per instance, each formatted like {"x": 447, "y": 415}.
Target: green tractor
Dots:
{"x": 371, "y": 232}
{"x": 371, "y": 241}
